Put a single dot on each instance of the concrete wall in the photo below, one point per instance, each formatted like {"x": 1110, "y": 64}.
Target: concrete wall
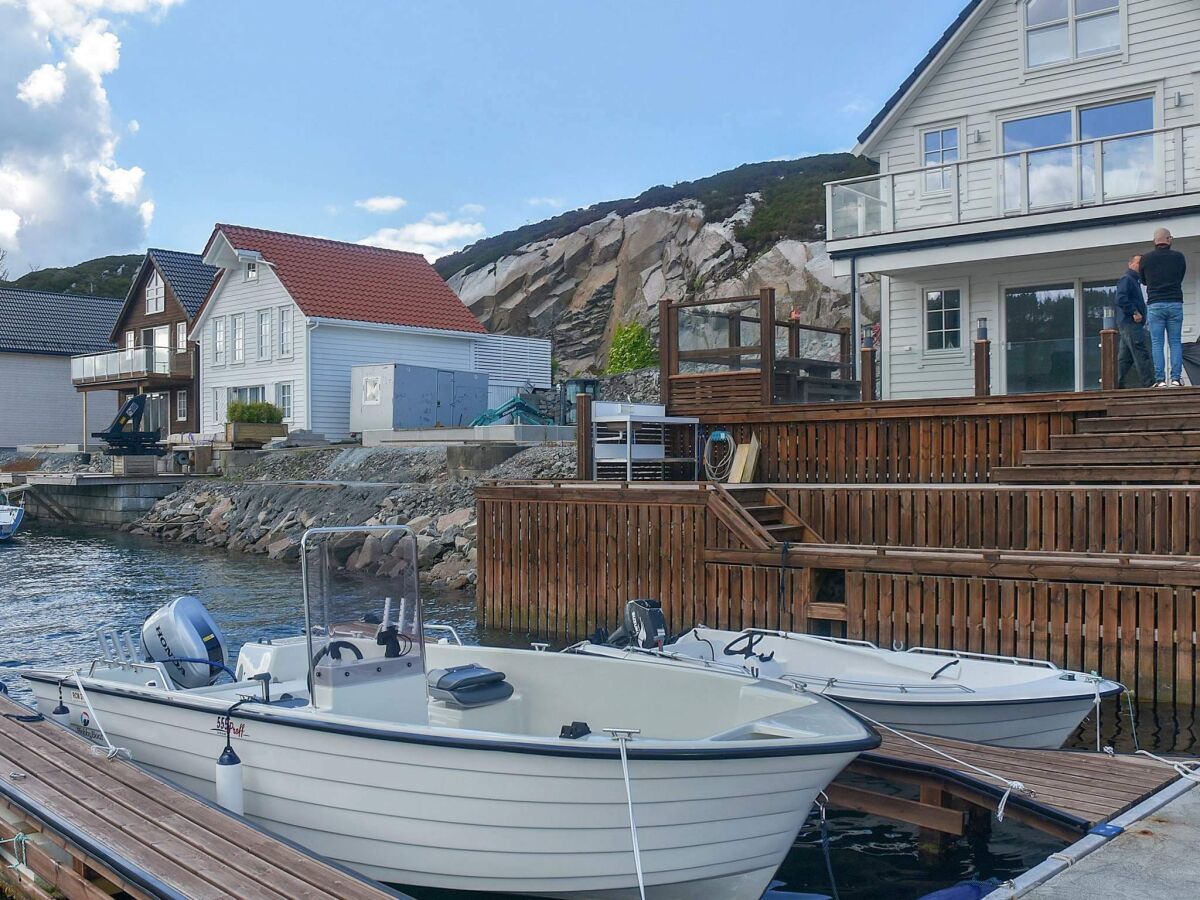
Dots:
{"x": 39, "y": 405}
{"x": 111, "y": 503}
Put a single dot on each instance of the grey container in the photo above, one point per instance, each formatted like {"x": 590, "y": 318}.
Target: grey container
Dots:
{"x": 391, "y": 396}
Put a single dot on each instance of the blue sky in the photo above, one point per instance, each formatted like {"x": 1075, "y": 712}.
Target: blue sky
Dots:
{"x": 480, "y": 116}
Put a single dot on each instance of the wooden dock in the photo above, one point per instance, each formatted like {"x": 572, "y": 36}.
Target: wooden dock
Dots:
{"x": 1070, "y": 791}
{"x": 77, "y": 825}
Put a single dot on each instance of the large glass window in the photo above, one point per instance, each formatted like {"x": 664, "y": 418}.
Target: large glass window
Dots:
{"x": 1128, "y": 163}
{"x": 1096, "y": 296}
{"x": 1051, "y": 174}
{"x": 1040, "y": 333}
{"x": 943, "y": 320}
{"x": 940, "y": 146}
{"x": 1060, "y": 30}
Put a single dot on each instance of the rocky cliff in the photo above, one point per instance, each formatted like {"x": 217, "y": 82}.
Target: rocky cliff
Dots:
{"x": 576, "y": 288}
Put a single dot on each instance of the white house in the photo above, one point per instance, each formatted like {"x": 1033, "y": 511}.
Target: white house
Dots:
{"x": 1034, "y": 149}
{"x": 39, "y": 333}
{"x": 289, "y": 316}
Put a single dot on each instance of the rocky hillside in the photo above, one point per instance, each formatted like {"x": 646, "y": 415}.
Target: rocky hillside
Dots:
{"x": 108, "y": 276}
{"x": 579, "y": 276}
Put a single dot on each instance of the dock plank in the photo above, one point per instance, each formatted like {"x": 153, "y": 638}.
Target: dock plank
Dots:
{"x": 189, "y": 845}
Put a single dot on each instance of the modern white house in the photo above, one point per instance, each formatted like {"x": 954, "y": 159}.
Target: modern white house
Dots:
{"x": 1034, "y": 149}
{"x": 39, "y": 333}
{"x": 289, "y": 316}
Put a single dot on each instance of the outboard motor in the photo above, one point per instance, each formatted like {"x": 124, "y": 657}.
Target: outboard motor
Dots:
{"x": 184, "y": 630}
{"x": 644, "y": 626}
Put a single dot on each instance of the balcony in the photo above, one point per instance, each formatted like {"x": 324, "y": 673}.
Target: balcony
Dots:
{"x": 1096, "y": 174}
{"x": 134, "y": 364}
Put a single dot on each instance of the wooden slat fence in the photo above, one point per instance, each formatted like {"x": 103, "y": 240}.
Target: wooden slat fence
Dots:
{"x": 555, "y": 561}
{"x": 1136, "y": 520}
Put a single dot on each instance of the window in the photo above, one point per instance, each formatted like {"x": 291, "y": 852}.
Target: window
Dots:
{"x": 1061, "y": 30}
{"x": 252, "y": 271}
{"x": 181, "y": 337}
{"x": 283, "y": 399}
{"x": 253, "y": 394}
{"x": 264, "y": 334}
{"x": 181, "y": 406}
{"x": 130, "y": 340}
{"x": 943, "y": 320}
{"x": 1039, "y": 349}
{"x": 239, "y": 337}
{"x": 371, "y": 390}
{"x": 156, "y": 294}
{"x": 218, "y": 341}
{"x": 939, "y": 146}
{"x": 285, "y": 331}
{"x": 220, "y": 407}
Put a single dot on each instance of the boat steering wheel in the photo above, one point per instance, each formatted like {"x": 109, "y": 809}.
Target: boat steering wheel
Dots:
{"x": 334, "y": 650}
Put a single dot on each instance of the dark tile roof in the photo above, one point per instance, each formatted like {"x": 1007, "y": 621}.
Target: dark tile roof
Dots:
{"x": 336, "y": 280}
{"x": 187, "y": 274}
{"x": 55, "y": 324}
{"x": 924, "y": 64}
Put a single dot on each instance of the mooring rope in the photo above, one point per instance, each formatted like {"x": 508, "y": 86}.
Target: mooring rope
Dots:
{"x": 1095, "y": 680}
{"x": 1132, "y": 720}
{"x": 1009, "y": 783}
{"x": 1183, "y": 769}
{"x": 622, "y": 735}
{"x": 825, "y": 844}
{"x": 18, "y": 841}
{"x": 111, "y": 751}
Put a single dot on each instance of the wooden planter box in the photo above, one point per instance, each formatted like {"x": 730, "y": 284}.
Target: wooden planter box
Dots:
{"x": 252, "y": 434}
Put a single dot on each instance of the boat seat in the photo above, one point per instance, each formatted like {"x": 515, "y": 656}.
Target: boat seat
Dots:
{"x": 469, "y": 686}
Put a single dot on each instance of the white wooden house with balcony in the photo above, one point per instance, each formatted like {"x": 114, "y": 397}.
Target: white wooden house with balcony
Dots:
{"x": 1033, "y": 150}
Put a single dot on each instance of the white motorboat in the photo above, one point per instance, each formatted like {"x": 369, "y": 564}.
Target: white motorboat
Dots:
{"x": 426, "y": 762}
{"x": 10, "y": 520}
{"x": 1001, "y": 700}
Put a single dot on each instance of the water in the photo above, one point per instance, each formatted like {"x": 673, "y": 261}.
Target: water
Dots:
{"x": 58, "y": 585}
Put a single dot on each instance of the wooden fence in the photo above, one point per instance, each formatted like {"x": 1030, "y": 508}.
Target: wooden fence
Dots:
{"x": 556, "y": 561}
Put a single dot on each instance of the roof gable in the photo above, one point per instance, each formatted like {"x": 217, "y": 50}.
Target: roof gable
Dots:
{"x": 55, "y": 324}
{"x": 354, "y": 282}
{"x": 188, "y": 275}
{"x": 925, "y": 69}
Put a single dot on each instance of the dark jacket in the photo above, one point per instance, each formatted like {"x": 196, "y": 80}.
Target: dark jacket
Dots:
{"x": 1162, "y": 274}
{"x": 1129, "y": 298}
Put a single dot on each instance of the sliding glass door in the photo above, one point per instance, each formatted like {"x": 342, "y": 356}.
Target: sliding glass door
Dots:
{"x": 1053, "y": 341}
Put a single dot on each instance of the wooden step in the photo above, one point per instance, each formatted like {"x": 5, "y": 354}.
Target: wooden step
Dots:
{"x": 784, "y": 532}
{"x": 1132, "y": 440}
{"x": 1132, "y": 474}
{"x": 766, "y": 513}
{"x": 1118, "y": 424}
{"x": 1113, "y": 456}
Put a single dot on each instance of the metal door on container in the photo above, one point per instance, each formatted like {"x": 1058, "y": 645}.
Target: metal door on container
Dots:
{"x": 444, "y": 415}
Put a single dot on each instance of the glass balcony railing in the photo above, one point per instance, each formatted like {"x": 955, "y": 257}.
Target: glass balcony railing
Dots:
{"x": 1082, "y": 174}
{"x": 118, "y": 365}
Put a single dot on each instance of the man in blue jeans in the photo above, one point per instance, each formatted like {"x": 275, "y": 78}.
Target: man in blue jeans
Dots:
{"x": 1162, "y": 272}
{"x": 1131, "y": 323}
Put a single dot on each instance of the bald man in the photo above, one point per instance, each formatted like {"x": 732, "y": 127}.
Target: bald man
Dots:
{"x": 1163, "y": 270}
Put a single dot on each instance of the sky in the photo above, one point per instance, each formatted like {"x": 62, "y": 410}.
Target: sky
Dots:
{"x": 413, "y": 124}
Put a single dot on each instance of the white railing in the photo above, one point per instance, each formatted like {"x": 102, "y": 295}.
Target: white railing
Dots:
{"x": 118, "y": 364}
{"x": 1080, "y": 174}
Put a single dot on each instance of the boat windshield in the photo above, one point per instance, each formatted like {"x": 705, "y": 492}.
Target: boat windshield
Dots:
{"x": 362, "y": 609}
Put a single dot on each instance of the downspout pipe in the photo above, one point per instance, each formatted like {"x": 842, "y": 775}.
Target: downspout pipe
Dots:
{"x": 855, "y": 356}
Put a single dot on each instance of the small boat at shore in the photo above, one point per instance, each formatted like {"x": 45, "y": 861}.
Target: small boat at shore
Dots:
{"x": 1006, "y": 701}
{"x": 10, "y": 520}
{"x": 427, "y": 762}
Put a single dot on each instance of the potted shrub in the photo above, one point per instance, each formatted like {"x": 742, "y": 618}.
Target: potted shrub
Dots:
{"x": 253, "y": 424}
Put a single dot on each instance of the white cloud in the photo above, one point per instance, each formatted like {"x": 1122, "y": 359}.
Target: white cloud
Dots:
{"x": 472, "y": 209}
{"x": 45, "y": 85}
{"x": 433, "y": 237}
{"x": 384, "y": 204}
{"x": 134, "y": 126}
{"x": 66, "y": 193}
{"x": 556, "y": 202}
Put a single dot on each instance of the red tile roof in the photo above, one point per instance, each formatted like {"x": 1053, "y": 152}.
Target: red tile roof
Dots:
{"x": 336, "y": 280}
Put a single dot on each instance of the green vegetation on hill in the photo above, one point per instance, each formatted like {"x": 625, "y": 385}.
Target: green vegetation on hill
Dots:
{"x": 793, "y": 206}
{"x": 108, "y": 276}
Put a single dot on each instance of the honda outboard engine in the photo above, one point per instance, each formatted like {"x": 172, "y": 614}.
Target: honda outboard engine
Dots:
{"x": 644, "y": 626}
{"x": 184, "y": 630}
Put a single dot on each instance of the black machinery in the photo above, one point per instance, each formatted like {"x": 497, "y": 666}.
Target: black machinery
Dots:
{"x": 125, "y": 437}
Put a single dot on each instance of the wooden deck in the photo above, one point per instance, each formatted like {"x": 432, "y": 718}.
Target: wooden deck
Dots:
{"x": 1072, "y": 791}
{"x": 93, "y": 826}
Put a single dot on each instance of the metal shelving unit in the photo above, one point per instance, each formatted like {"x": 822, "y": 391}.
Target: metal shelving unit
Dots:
{"x": 637, "y": 442}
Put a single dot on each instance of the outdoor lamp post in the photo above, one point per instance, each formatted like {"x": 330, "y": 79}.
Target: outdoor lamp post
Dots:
{"x": 868, "y": 358}
{"x": 1109, "y": 341}
{"x": 983, "y": 359}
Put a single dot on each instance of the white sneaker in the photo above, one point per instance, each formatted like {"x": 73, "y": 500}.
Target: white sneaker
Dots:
{"x": 1175, "y": 382}
{"x": 1159, "y": 384}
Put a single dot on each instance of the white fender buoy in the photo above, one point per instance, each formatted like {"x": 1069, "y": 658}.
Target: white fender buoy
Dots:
{"x": 61, "y": 714}
{"x": 229, "y": 781}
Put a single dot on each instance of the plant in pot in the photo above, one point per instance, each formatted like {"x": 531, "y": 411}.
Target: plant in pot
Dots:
{"x": 253, "y": 424}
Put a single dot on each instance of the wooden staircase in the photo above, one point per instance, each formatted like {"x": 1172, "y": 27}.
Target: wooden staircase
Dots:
{"x": 773, "y": 516}
{"x": 1148, "y": 440}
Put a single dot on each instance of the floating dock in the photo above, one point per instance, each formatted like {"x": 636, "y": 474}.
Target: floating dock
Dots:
{"x": 78, "y": 825}
{"x": 1069, "y": 793}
